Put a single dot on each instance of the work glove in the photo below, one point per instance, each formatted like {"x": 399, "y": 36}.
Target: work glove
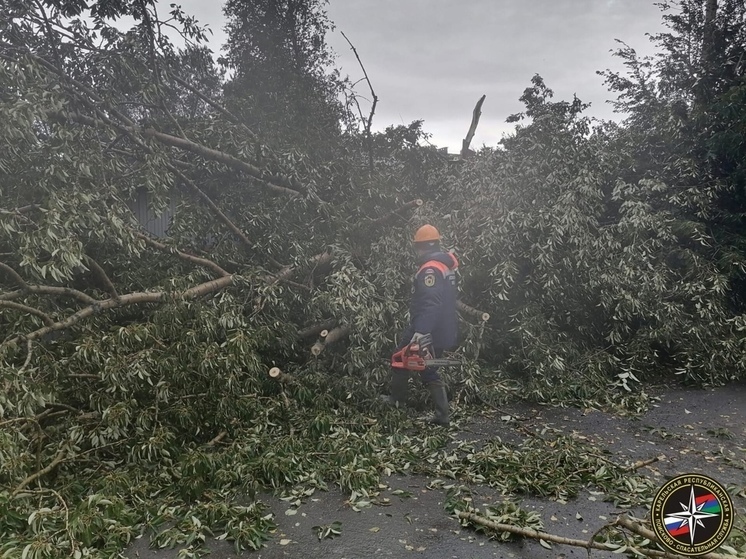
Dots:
{"x": 416, "y": 338}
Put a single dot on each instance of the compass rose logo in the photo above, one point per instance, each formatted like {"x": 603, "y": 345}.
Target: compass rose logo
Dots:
{"x": 692, "y": 514}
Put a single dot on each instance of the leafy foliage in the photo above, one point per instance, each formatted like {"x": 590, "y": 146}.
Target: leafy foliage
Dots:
{"x": 135, "y": 393}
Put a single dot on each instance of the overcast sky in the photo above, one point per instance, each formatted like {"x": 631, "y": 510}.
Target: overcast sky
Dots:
{"x": 433, "y": 59}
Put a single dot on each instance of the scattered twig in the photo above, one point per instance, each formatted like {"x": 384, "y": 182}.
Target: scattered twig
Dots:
{"x": 642, "y": 463}
{"x": 623, "y": 521}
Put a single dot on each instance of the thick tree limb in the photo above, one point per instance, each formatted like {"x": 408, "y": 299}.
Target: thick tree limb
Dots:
{"x": 287, "y": 272}
{"x": 51, "y": 290}
{"x": 219, "y": 437}
{"x": 316, "y": 329}
{"x": 183, "y": 255}
{"x": 471, "y": 311}
{"x": 276, "y": 183}
{"x": 330, "y": 337}
{"x": 43, "y": 289}
{"x": 30, "y": 310}
{"x": 465, "y": 152}
{"x": 124, "y": 300}
{"x": 96, "y": 306}
{"x": 17, "y": 279}
{"x": 99, "y": 271}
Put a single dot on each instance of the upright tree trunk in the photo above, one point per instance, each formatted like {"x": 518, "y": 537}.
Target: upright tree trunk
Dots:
{"x": 708, "y": 61}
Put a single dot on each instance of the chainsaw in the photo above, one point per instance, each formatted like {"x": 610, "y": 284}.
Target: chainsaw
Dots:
{"x": 419, "y": 355}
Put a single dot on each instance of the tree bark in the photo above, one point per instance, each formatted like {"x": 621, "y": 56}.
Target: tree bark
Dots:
{"x": 471, "y": 311}
{"x": 183, "y": 255}
{"x": 275, "y": 183}
{"x": 330, "y": 337}
{"x": 622, "y": 521}
{"x": 465, "y": 151}
{"x": 316, "y": 329}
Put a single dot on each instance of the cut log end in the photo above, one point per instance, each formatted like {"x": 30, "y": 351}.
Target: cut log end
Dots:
{"x": 275, "y": 372}
{"x": 316, "y": 349}
{"x": 418, "y": 202}
{"x": 485, "y": 316}
{"x": 323, "y": 333}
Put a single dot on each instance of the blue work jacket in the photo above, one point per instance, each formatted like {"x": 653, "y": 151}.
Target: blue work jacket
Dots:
{"x": 433, "y": 306}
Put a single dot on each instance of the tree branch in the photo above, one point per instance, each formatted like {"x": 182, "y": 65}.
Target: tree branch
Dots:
{"x": 14, "y": 276}
{"x": 316, "y": 329}
{"x": 44, "y": 289}
{"x": 30, "y": 310}
{"x": 622, "y": 521}
{"x": 369, "y": 122}
{"x": 626, "y": 522}
{"x": 99, "y": 271}
{"x": 215, "y": 105}
{"x": 471, "y": 311}
{"x": 276, "y": 183}
{"x": 58, "y": 459}
{"x": 183, "y": 255}
{"x": 224, "y": 218}
{"x": 122, "y": 301}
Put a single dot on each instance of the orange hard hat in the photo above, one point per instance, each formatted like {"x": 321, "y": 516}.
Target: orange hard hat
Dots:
{"x": 426, "y": 234}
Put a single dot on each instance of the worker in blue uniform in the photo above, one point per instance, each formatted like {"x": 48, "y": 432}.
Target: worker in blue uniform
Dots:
{"x": 432, "y": 311}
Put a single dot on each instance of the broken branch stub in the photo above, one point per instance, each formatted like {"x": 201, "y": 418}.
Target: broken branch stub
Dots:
{"x": 474, "y": 313}
{"x": 277, "y": 374}
{"x": 329, "y": 337}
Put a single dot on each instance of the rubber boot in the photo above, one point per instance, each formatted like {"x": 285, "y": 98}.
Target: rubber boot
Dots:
{"x": 399, "y": 388}
{"x": 440, "y": 401}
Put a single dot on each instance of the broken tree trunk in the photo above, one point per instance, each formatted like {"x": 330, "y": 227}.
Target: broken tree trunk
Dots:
{"x": 465, "y": 151}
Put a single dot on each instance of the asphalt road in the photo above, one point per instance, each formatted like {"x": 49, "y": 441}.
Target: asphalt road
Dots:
{"x": 692, "y": 431}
